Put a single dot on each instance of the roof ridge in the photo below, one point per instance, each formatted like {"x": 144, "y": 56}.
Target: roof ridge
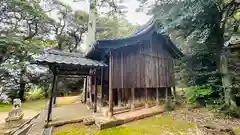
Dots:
{"x": 63, "y": 53}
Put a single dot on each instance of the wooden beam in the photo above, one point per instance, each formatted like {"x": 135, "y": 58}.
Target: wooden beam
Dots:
{"x": 110, "y": 87}
{"x": 95, "y": 93}
{"x": 146, "y": 97}
{"x": 49, "y": 113}
{"x": 119, "y": 96}
{"x": 133, "y": 99}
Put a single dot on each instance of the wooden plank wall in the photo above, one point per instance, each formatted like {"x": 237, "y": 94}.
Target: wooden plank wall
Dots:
{"x": 146, "y": 64}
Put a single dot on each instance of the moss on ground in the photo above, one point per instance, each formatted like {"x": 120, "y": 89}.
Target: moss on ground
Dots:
{"x": 162, "y": 125}
{"x": 74, "y": 129}
{"x": 236, "y": 131}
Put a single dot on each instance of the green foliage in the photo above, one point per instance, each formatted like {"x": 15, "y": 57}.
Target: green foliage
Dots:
{"x": 199, "y": 28}
{"x": 110, "y": 27}
{"x": 34, "y": 94}
{"x": 194, "y": 94}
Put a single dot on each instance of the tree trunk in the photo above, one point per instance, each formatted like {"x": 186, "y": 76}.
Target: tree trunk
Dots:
{"x": 91, "y": 26}
{"x": 226, "y": 81}
{"x": 22, "y": 86}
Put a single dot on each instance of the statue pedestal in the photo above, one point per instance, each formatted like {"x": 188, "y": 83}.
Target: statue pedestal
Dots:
{"x": 14, "y": 119}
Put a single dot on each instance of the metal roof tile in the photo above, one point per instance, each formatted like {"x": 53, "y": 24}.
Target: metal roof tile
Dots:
{"x": 60, "y": 57}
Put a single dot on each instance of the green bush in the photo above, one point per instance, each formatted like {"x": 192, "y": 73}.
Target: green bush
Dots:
{"x": 34, "y": 94}
{"x": 197, "y": 94}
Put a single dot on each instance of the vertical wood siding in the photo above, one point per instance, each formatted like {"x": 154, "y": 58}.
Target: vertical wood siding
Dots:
{"x": 147, "y": 64}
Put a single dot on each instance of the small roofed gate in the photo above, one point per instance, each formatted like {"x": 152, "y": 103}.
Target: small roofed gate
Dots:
{"x": 147, "y": 64}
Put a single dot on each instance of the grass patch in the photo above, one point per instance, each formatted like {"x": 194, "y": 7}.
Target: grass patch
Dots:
{"x": 28, "y": 105}
{"x": 37, "y": 105}
{"x": 236, "y": 131}
{"x": 74, "y": 129}
{"x": 5, "y": 107}
{"x": 162, "y": 125}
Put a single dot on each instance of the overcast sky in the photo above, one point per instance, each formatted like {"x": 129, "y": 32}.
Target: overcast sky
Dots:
{"x": 131, "y": 15}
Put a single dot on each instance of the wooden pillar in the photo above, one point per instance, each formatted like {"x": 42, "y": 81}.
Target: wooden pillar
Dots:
{"x": 49, "y": 113}
{"x": 123, "y": 95}
{"x": 157, "y": 96}
{"x": 85, "y": 90}
{"x": 166, "y": 95}
{"x": 55, "y": 92}
{"x": 127, "y": 95}
{"x": 119, "y": 96}
{"x": 110, "y": 87}
{"x": 146, "y": 97}
{"x": 90, "y": 90}
{"x": 133, "y": 99}
{"x": 95, "y": 93}
{"x": 101, "y": 88}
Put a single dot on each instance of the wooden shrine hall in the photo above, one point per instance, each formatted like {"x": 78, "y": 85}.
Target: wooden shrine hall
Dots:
{"x": 65, "y": 63}
{"x": 140, "y": 68}
{"x": 140, "y": 71}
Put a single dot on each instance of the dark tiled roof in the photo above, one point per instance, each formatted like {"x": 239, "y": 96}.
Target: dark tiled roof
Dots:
{"x": 144, "y": 27}
{"x": 60, "y": 57}
{"x": 141, "y": 33}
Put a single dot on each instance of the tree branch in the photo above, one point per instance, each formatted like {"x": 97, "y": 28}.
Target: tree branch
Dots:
{"x": 31, "y": 35}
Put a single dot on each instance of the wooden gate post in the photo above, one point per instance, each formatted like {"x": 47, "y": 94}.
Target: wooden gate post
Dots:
{"x": 50, "y": 103}
{"x": 55, "y": 91}
{"x": 90, "y": 91}
{"x": 101, "y": 88}
{"x": 110, "y": 87}
{"x": 85, "y": 90}
{"x": 95, "y": 92}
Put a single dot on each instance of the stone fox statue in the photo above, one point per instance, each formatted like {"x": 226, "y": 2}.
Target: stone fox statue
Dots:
{"x": 16, "y": 113}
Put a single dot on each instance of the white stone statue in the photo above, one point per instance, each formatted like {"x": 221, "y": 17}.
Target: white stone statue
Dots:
{"x": 14, "y": 118}
{"x": 17, "y": 104}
